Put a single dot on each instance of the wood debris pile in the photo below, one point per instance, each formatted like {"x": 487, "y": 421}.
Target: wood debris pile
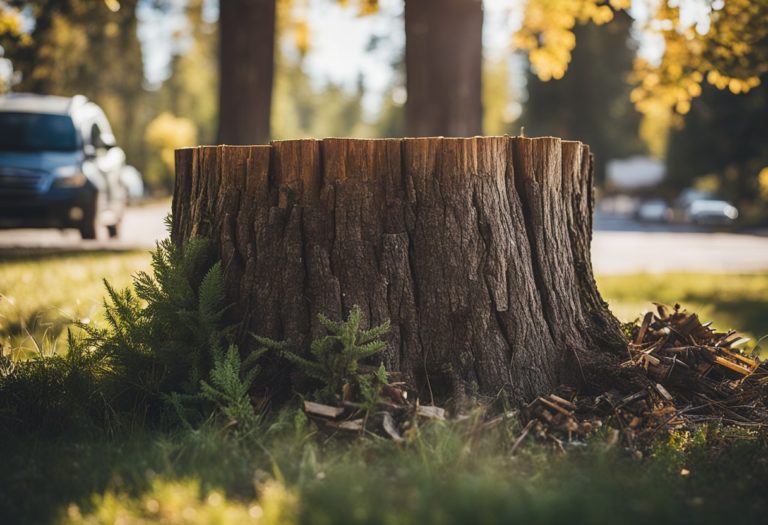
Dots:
{"x": 692, "y": 374}
{"x": 695, "y": 374}
{"x": 702, "y": 369}
{"x": 392, "y": 415}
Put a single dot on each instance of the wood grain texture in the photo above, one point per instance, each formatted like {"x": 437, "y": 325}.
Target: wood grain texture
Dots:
{"x": 475, "y": 249}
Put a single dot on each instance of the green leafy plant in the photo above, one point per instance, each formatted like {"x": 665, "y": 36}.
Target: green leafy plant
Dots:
{"x": 169, "y": 341}
{"x": 51, "y": 393}
{"x": 336, "y": 357}
{"x": 166, "y": 344}
{"x": 230, "y": 380}
{"x": 370, "y": 386}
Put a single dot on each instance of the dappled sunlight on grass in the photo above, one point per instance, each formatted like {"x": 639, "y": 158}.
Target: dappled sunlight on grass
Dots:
{"x": 169, "y": 502}
{"x": 446, "y": 472}
{"x": 41, "y": 296}
{"x": 287, "y": 468}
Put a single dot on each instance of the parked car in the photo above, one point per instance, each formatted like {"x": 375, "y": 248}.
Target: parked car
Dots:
{"x": 59, "y": 165}
{"x": 710, "y": 211}
{"x": 690, "y": 195}
{"x": 133, "y": 182}
{"x": 653, "y": 210}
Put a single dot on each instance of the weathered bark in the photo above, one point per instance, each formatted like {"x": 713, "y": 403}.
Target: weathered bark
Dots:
{"x": 246, "y": 67}
{"x": 443, "y": 67}
{"x": 476, "y": 250}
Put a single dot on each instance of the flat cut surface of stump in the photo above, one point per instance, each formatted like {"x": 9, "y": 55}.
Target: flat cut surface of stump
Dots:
{"x": 476, "y": 250}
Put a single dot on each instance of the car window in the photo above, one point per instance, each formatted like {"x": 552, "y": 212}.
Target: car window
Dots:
{"x": 37, "y": 132}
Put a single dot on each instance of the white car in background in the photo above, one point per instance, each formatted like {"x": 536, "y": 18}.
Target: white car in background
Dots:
{"x": 653, "y": 210}
{"x": 133, "y": 183}
{"x": 711, "y": 211}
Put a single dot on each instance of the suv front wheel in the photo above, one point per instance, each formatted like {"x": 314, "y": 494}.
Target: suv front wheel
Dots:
{"x": 89, "y": 226}
{"x": 114, "y": 230}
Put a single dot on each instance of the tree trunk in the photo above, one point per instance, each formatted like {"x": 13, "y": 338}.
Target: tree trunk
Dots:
{"x": 443, "y": 67}
{"x": 246, "y": 66}
{"x": 476, "y": 250}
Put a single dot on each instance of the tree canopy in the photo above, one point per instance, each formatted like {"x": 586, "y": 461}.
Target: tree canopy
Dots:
{"x": 727, "y": 48}
{"x": 91, "y": 47}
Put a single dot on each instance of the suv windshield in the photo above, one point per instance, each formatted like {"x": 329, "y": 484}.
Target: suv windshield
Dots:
{"x": 37, "y": 132}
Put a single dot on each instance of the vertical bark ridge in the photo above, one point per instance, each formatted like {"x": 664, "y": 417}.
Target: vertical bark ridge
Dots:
{"x": 475, "y": 249}
{"x": 603, "y": 326}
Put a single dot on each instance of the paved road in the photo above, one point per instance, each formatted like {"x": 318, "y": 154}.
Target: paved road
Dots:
{"x": 623, "y": 245}
{"x": 619, "y": 245}
{"x": 659, "y": 252}
{"x": 142, "y": 226}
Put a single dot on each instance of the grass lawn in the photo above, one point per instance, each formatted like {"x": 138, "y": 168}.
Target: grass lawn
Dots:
{"x": 288, "y": 471}
{"x": 40, "y": 296}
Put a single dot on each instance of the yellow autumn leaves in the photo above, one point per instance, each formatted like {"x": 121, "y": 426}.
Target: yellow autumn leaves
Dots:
{"x": 730, "y": 54}
{"x": 547, "y": 30}
{"x": 11, "y": 22}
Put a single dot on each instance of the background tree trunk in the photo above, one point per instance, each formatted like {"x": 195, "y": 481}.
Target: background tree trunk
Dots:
{"x": 246, "y": 65}
{"x": 443, "y": 67}
{"x": 599, "y": 113}
{"x": 476, "y": 250}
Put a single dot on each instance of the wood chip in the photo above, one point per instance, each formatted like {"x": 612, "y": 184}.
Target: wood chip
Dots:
{"x": 664, "y": 392}
{"x": 431, "y": 412}
{"x": 389, "y": 427}
{"x": 644, "y": 328}
{"x": 555, "y": 406}
{"x": 352, "y": 425}
{"x": 319, "y": 409}
{"x": 563, "y": 402}
{"x": 632, "y": 397}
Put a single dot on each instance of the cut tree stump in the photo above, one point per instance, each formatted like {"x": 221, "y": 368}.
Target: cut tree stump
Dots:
{"x": 475, "y": 249}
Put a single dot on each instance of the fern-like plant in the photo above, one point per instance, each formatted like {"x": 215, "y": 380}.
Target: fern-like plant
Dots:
{"x": 165, "y": 344}
{"x": 336, "y": 357}
{"x": 167, "y": 341}
{"x": 230, "y": 380}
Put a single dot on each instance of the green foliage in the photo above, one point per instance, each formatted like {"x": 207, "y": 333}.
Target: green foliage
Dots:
{"x": 336, "y": 357}
{"x": 54, "y": 392}
{"x": 302, "y": 109}
{"x": 167, "y": 339}
{"x": 41, "y": 295}
{"x": 166, "y": 501}
{"x": 160, "y": 334}
{"x": 165, "y": 134}
{"x": 191, "y": 89}
{"x": 165, "y": 344}
{"x": 446, "y": 472}
{"x": 229, "y": 384}
{"x": 370, "y": 386}
{"x": 578, "y": 108}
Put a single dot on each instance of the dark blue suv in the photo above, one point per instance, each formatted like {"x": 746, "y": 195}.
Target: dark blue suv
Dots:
{"x": 59, "y": 165}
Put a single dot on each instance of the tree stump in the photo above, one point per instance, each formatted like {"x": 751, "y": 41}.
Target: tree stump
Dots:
{"x": 475, "y": 249}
